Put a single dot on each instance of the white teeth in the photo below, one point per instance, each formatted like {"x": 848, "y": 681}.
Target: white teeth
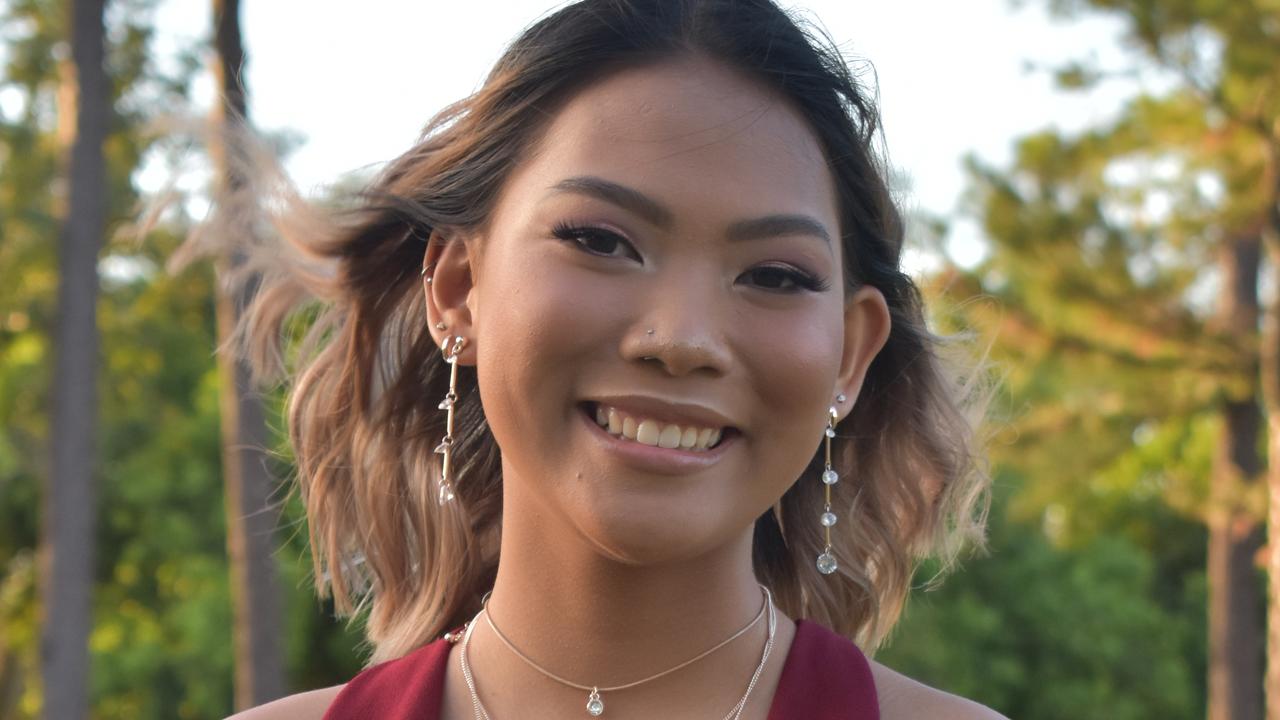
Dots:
{"x": 704, "y": 438}
{"x": 654, "y": 433}
{"x": 647, "y": 433}
{"x": 670, "y": 437}
{"x": 689, "y": 438}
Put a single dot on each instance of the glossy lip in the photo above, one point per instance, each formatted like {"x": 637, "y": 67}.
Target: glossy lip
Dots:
{"x": 653, "y": 459}
{"x": 675, "y": 413}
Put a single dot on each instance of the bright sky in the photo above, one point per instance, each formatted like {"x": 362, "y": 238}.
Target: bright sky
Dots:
{"x": 358, "y": 85}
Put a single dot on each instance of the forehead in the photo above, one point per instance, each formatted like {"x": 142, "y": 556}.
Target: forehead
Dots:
{"x": 694, "y": 134}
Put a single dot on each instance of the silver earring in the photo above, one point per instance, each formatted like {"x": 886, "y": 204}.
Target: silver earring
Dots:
{"x": 441, "y": 326}
{"x": 451, "y": 347}
{"x": 826, "y": 559}
{"x": 840, "y": 398}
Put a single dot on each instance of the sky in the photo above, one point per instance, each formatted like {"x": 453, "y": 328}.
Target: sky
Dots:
{"x": 953, "y": 78}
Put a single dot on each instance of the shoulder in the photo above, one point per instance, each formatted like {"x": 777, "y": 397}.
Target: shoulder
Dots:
{"x": 303, "y": 706}
{"x": 902, "y": 698}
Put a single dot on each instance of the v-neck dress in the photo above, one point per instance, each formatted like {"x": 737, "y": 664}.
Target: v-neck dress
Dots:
{"x": 824, "y": 677}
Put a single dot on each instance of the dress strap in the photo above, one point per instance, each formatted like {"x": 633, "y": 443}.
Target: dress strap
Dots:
{"x": 407, "y": 688}
{"x": 826, "y": 677}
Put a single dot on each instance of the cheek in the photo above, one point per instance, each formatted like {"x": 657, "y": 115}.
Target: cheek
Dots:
{"x": 536, "y": 321}
{"x": 793, "y": 372}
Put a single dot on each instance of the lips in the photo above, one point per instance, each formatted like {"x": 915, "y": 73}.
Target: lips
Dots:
{"x": 654, "y": 459}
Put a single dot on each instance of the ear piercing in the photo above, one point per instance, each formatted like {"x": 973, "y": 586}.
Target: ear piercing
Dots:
{"x": 451, "y": 347}
{"x": 441, "y": 326}
{"x": 826, "y": 559}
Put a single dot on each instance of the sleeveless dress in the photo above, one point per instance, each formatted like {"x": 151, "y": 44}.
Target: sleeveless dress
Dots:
{"x": 824, "y": 677}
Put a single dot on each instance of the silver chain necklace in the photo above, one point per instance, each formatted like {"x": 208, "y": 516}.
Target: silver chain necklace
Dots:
{"x": 595, "y": 706}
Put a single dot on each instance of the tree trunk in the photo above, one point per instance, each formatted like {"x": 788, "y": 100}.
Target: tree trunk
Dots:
{"x": 258, "y": 632}
{"x": 1235, "y": 534}
{"x": 70, "y": 500}
{"x": 1269, "y": 361}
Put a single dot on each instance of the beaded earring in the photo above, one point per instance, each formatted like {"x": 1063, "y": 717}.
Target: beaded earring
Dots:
{"x": 826, "y": 559}
{"x": 451, "y": 347}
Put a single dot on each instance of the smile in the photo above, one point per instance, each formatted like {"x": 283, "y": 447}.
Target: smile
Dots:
{"x": 636, "y": 427}
{"x": 648, "y": 431}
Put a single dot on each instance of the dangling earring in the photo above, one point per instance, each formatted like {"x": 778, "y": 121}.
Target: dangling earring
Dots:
{"x": 446, "y": 445}
{"x": 827, "y": 560}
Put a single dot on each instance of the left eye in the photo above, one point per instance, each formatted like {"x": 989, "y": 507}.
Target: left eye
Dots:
{"x": 779, "y": 278}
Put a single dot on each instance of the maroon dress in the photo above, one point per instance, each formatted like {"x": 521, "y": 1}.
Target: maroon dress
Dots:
{"x": 825, "y": 677}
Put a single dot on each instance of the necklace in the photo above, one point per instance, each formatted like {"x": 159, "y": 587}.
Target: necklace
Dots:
{"x": 595, "y": 706}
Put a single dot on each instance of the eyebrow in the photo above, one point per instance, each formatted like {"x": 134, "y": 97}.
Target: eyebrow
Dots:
{"x": 658, "y": 214}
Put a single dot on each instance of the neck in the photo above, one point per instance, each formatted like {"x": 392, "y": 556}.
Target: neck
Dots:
{"x": 593, "y": 620}
{"x": 571, "y": 608}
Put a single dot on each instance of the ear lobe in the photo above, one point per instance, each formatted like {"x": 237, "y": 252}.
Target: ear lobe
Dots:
{"x": 866, "y": 329}
{"x": 448, "y": 284}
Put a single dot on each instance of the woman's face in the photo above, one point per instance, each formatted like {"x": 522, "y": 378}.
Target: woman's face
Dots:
{"x": 664, "y": 269}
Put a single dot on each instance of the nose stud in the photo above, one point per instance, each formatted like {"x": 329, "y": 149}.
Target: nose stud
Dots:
{"x": 649, "y": 331}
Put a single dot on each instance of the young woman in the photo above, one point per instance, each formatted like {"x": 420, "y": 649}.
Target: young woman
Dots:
{"x": 617, "y": 403}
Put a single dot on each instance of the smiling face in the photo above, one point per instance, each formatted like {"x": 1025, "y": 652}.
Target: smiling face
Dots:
{"x": 658, "y": 316}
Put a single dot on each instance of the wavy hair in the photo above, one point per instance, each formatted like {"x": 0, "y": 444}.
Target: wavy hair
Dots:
{"x": 364, "y": 371}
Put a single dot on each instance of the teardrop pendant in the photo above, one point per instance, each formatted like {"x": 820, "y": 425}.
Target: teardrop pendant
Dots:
{"x": 827, "y": 562}
{"x": 595, "y": 706}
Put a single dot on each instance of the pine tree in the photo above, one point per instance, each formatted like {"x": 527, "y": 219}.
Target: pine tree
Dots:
{"x": 70, "y": 502}
{"x": 1106, "y": 250}
{"x": 258, "y": 632}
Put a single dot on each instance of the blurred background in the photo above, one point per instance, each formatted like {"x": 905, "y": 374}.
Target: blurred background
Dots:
{"x": 1092, "y": 188}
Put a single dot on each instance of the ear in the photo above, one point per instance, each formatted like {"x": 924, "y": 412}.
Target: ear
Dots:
{"x": 866, "y": 328}
{"x": 448, "y": 282}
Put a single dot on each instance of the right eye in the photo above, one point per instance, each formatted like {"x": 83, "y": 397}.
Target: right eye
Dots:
{"x": 596, "y": 241}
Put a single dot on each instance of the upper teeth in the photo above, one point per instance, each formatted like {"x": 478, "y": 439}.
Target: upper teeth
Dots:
{"x": 653, "y": 432}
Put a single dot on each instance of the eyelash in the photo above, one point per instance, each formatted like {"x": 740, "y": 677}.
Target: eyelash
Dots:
{"x": 574, "y": 233}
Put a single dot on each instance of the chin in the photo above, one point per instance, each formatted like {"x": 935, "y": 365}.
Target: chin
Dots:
{"x": 650, "y": 536}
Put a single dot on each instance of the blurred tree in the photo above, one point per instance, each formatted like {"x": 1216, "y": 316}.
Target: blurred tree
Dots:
{"x": 69, "y": 501}
{"x": 1046, "y": 633}
{"x": 160, "y": 643}
{"x": 251, "y": 521}
{"x": 1107, "y": 249}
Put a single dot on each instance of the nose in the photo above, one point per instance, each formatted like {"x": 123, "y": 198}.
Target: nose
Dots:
{"x": 683, "y": 325}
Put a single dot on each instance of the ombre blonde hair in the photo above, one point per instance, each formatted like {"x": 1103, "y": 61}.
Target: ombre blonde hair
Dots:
{"x": 338, "y": 309}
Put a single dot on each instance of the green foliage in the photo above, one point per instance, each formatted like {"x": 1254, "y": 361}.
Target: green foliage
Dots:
{"x": 161, "y": 640}
{"x": 1098, "y": 290}
{"x": 1102, "y": 247}
{"x": 1040, "y": 632}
